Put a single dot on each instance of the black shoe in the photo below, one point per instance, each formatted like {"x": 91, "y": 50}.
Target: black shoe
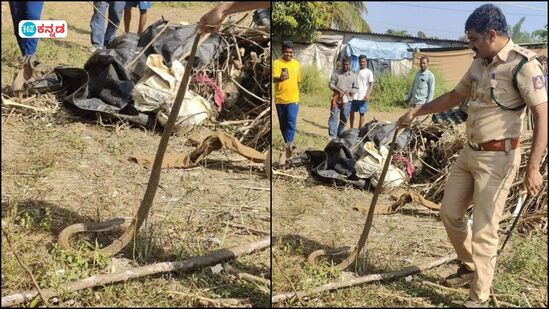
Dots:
{"x": 462, "y": 277}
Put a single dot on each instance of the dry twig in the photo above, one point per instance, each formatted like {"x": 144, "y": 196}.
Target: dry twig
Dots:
{"x": 186, "y": 265}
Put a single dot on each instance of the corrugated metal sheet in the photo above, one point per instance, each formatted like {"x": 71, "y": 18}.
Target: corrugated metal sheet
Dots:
{"x": 395, "y": 36}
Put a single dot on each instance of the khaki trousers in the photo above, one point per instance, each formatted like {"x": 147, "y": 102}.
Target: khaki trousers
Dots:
{"x": 481, "y": 178}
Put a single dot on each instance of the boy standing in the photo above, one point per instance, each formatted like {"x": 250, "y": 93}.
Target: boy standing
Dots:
{"x": 365, "y": 82}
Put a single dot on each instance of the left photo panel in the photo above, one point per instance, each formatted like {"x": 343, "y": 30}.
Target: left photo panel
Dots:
{"x": 136, "y": 154}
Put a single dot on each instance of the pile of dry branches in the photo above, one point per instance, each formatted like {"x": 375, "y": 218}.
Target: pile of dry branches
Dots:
{"x": 433, "y": 152}
{"x": 36, "y": 106}
{"x": 243, "y": 72}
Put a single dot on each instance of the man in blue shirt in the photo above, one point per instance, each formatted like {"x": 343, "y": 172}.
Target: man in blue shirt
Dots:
{"x": 423, "y": 89}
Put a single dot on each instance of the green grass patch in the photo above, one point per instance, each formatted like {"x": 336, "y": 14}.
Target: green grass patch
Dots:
{"x": 390, "y": 91}
{"x": 525, "y": 261}
{"x": 314, "y": 87}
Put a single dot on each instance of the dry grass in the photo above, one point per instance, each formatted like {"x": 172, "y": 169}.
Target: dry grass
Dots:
{"x": 59, "y": 169}
{"x": 308, "y": 215}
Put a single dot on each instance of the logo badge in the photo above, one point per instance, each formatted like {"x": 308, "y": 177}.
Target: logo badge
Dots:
{"x": 538, "y": 81}
{"x": 42, "y": 29}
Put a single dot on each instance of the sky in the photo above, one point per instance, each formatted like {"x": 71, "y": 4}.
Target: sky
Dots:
{"x": 446, "y": 20}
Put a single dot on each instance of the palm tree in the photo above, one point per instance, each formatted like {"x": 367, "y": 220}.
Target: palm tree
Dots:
{"x": 347, "y": 16}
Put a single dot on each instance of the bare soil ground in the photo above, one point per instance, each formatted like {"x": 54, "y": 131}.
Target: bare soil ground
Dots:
{"x": 59, "y": 169}
{"x": 308, "y": 215}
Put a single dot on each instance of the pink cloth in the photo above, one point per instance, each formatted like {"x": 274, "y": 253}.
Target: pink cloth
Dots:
{"x": 409, "y": 167}
{"x": 219, "y": 96}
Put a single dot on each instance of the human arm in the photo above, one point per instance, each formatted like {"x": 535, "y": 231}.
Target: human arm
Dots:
{"x": 533, "y": 179}
{"x": 354, "y": 87}
{"x": 370, "y": 85}
{"x": 281, "y": 77}
{"x": 440, "y": 104}
{"x": 530, "y": 86}
{"x": 210, "y": 22}
{"x": 333, "y": 84}
{"x": 431, "y": 89}
{"x": 369, "y": 91}
{"x": 276, "y": 70}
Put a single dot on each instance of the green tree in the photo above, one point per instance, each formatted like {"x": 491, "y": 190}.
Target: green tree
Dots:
{"x": 519, "y": 36}
{"x": 347, "y": 16}
{"x": 397, "y": 32}
{"x": 301, "y": 20}
{"x": 540, "y": 35}
{"x": 297, "y": 20}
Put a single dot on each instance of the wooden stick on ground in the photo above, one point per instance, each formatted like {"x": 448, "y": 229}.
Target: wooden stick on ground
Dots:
{"x": 26, "y": 268}
{"x": 8, "y": 102}
{"x": 275, "y": 172}
{"x": 365, "y": 279}
{"x": 261, "y": 283}
{"x": 295, "y": 293}
{"x": 222, "y": 302}
{"x": 213, "y": 258}
{"x": 495, "y": 300}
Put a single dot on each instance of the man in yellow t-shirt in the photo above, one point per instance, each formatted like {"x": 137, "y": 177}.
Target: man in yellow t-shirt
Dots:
{"x": 286, "y": 76}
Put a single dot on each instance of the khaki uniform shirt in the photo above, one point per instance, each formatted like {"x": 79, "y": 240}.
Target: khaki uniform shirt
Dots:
{"x": 486, "y": 120}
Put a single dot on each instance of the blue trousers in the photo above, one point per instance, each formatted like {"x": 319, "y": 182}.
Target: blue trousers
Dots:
{"x": 25, "y": 10}
{"x": 100, "y": 37}
{"x": 338, "y": 118}
{"x": 287, "y": 117}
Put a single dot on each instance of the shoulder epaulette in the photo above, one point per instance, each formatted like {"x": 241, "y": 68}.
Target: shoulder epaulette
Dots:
{"x": 530, "y": 55}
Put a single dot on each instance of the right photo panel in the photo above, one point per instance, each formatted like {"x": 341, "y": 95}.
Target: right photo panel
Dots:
{"x": 409, "y": 154}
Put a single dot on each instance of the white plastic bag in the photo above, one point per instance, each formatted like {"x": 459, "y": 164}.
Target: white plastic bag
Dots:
{"x": 371, "y": 166}
{"x": 157, "y": 90}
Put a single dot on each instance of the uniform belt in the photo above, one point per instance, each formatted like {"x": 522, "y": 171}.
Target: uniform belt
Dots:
{"x": 497, "y": 145}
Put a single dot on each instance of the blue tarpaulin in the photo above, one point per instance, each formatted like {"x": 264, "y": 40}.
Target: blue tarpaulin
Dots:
{"x": 381, "y": 50}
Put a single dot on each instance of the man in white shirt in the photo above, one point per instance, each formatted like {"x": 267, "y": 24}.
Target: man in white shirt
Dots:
{"x": 365, "y": 81}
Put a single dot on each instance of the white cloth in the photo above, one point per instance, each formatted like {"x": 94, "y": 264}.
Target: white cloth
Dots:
{"x": 365, "y": 76}
{"x": 370, "y": 165}
{"x": 157, "y": 89}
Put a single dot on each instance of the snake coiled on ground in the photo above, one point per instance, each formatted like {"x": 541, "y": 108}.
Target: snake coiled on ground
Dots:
{"x": 131, "y": 232}
{"x": 312, "y": 258}
{"x": 64, "y": 236}
{"x": 364, "y": 236}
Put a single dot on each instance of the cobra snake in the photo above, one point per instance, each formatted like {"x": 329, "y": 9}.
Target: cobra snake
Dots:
{"x": 362, "y": 241}
{"x": 154, "y": 179}
{"x": 312, "y": 258}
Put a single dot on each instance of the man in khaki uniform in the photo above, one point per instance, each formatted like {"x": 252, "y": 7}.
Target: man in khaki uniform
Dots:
{"x": 488, "y": 163}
